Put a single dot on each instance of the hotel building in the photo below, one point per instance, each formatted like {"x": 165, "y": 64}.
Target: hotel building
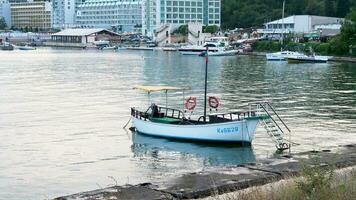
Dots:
{"x": 5, "y": 12}
{"x": 120, "y": 15}
{"x": 178, "y": 12}
{"x": 64, "y": 13}
{"x": 36, "y": 14}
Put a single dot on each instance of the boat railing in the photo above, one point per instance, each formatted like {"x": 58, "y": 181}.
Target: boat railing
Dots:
{"x": 231, "y": 116}
{"x": 171, "y": 112}
{"x": 139, "y": 114}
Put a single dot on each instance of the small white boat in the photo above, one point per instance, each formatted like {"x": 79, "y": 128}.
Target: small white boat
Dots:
{"x": 172, "y": 123}
{"x": 101, "y": 42}
{"x": 108, "y": 48}
{"x": 282, "y": 55}
{"x": 169, "y": 49}
{"x": 307, "y": 59}
{"x": 141, "y": 48}
{"x": 221, "y": 53}
{"x": 26, "y": 48}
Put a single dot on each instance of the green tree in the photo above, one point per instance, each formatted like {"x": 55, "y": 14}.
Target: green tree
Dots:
{"x": 329, "y": 8}
{"x": 183, "y": 30}
{"x": 211, "y": 29}
{"x": 342, "y": 7}
{"x": 2, "y": 23}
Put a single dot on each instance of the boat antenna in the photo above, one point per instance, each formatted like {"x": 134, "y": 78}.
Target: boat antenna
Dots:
{"x": 206, "y": 81}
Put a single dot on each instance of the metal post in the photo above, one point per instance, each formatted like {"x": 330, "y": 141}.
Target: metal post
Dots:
{"x": 166, "y": 101}
{"x": 206, "y": 82}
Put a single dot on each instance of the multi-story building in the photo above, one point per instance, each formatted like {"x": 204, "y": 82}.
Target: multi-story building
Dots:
{"x": 302, "y": 24}
{"x": 119, "y": 15}
{"x": 179, "y": 12}
{"x": 36, "y": 14}
{"x": 5, "y": 12}
{"x": 64, "y": 13}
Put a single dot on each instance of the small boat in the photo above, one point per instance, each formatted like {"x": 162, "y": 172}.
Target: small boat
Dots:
{"x": 27, "y": 48}
{"x": 7, "y": 47}
{"x": 307, "y": 59}
{"x": 141, "y": 48}
{"x": 231, "y": 127}
{"x": 221, "y": 53}
{"x": 108, "y": 48}
{"x": 282, "y": 55}
{"x": 101, "y": 42}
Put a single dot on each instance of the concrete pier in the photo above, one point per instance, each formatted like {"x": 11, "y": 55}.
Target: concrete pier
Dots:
{"x": 223, "y": 180}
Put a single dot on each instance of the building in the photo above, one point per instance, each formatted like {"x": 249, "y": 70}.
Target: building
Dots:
{"x": 64, "y": 13}
{"x": 5, "y": 12}
{"x": 82, "y": 37}
{"x": 35, "y": 15}
{"x": 121, "y": 16}
{"x": 179, "y": 12}
{"x": 302, "y": 24}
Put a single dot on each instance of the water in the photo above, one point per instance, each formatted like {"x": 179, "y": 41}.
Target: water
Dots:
{"x": 62, "y": 113}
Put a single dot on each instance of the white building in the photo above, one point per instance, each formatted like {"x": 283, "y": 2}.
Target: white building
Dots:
{"x": 301, "y": 24}
{"x": 178, "y": 12}
{"x": 64, "y": 12}
{"x": 120, "y": 15}
{"x": 5, "y": 12}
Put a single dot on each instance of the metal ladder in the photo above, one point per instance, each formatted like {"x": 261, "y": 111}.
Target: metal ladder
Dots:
{"x": 276, "y": 128}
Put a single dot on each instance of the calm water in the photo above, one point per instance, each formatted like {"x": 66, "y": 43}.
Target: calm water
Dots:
{"x": 62, "y": 113}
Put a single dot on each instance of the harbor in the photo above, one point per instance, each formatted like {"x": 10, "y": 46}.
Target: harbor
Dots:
{"x": 88, "y": 102}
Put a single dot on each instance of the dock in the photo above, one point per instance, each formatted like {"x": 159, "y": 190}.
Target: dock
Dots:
{"x": 218, "y": 181}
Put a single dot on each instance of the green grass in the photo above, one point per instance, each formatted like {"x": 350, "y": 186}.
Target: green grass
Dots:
{"x": 315, "y": 183}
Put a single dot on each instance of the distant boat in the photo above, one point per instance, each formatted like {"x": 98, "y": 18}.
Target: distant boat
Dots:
{"x": 221, "y": 53}
{"x": 307, "y": 59}
{"x": 7, "y": 47}
{"x": 280, "y": 56}
{"x": 101, "y": 42}
{"x": 108, "y": 48}
{"x": 141, "y": 48}
{"x": 27, "y": 48}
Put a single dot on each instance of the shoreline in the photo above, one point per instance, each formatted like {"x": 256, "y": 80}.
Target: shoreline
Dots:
{"x": 333, "y": 58}
{"x": 224, "y": 180}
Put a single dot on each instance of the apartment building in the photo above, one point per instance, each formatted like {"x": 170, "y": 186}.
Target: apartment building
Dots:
{"x": 36, "y": 14}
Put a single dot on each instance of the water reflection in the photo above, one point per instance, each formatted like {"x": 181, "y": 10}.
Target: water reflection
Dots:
{"x": 208, "y": 153}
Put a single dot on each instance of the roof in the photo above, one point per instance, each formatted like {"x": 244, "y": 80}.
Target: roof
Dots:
{"x": 156, "y": 88}
{"x": 81, "y": 32}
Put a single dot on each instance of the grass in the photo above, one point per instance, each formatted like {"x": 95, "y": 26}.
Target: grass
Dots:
{"x": 315, "y": 183}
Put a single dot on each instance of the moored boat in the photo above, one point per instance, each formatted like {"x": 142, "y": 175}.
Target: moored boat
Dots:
{"x": 307, "y": 59}
{"x": 26, "y": 48}
{"x": 221, "y": 53}
{"x": 282, "y": 55}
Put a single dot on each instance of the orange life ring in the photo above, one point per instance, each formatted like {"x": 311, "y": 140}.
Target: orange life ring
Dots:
{"x": 190, "y": 103}
{"x": 213, "y": 102}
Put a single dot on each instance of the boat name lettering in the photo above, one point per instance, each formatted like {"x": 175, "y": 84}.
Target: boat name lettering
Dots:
{"x": 228, "y": 130}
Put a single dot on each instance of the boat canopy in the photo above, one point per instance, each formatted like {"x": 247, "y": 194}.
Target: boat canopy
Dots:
{"x": 156, "y": 88}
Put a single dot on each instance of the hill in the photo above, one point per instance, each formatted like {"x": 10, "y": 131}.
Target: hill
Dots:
{"x": 253, "y": 13}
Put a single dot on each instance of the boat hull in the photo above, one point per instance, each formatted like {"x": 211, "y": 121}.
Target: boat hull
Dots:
{"x": 235, "y": 131}
{"x": 306, "y": 60}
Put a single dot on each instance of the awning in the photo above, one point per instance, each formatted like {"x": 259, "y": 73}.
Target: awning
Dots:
{"x": 156, "y": 88}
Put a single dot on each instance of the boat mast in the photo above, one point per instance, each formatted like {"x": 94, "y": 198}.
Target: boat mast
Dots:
{"x": 206, "y": 81}
{"x": 282, "y": 38}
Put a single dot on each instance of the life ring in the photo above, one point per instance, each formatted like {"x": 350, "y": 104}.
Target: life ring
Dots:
{"x": 190, "y": 103}
{"x": 213, "y": 102}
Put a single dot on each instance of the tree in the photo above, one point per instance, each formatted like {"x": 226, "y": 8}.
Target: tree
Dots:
{"x": 342, "y": 7}
{"x": 2, "y": 23}
{"x": 329, "y": 8}
{"x": 183, "y": 30}
{"x": 211, "y": 29}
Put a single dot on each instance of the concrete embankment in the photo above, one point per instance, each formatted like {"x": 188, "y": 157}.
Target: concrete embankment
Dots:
{"x": 333, "y": 58}
{"x": 223, "y": 180}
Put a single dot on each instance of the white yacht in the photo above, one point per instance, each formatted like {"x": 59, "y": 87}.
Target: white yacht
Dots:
{"x": 281, "y": 55}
